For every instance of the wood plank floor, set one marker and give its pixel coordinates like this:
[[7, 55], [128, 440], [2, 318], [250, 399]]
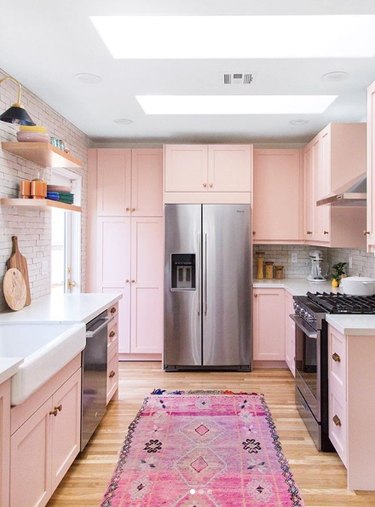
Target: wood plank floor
[[321, 477]]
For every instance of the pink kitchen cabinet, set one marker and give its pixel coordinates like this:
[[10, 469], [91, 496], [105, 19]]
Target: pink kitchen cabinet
[[113, 175], [290, 334], [268, 325], [46, 440], [4, 442], [278, 181], [147, 183], [370, 227], [308, 194], [207, 173], [112, 352]]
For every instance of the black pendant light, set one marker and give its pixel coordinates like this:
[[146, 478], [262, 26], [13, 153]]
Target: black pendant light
[[16, 113]]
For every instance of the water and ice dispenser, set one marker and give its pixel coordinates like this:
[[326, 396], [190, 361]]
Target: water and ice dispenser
[[183, 272]]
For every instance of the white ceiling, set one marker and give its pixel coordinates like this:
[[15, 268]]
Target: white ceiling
[[44, 44]]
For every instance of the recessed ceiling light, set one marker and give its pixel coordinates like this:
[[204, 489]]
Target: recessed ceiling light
[[338, 75], [234, 104], [123, 121], [87, 78], [340, 36], [298, 122]]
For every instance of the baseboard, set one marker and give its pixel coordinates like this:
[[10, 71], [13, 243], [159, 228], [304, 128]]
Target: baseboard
[[139, 357], [262, 365]]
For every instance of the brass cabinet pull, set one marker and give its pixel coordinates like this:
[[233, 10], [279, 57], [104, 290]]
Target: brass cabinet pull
[[254, 233], [113, 310], [255, 295], [205, 185], [112, 374], [112, 334], [336, 357], [127, 281], [127, 209], [53, 412], [309, 232], [59, 407], [336, 420], [325, 232], [133, 281], [133, 209], [211, 185], [366, 233]]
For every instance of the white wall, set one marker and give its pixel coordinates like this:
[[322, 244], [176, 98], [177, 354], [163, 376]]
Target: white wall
[[33, 227]]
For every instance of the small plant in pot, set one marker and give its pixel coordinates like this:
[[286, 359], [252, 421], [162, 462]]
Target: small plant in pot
[[338, 272]]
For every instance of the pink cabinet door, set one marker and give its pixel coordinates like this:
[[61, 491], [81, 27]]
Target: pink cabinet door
[[229, 167], [277, 195], [320, 151], [147, 285], [147, 183], [308, 193], [31, 460], [290, 334], [65, 427], [370, 229], [268, 333], [113, 182], [186, 167], [113, 268], [4, 442]]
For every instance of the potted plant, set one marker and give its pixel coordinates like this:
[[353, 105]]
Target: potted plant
[[338, 272]]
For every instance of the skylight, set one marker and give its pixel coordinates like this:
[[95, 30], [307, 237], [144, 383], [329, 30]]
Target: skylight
[[227, 37], [235, 104]]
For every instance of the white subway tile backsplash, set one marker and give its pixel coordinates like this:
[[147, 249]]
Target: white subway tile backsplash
[[33, 227]]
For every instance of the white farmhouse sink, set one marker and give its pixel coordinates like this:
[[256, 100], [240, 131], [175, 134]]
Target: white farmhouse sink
[[45, 349]]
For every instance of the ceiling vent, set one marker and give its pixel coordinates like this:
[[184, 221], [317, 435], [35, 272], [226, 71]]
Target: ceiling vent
[[238, 78]]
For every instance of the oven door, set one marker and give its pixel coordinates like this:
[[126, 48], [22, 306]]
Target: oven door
[[308, 364]]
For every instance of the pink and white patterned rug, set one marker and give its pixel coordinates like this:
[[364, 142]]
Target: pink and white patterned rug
[[202, 449]]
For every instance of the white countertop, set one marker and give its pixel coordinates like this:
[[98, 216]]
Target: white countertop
[[354, 325], [8, 367], [295, 286], [81, 307]]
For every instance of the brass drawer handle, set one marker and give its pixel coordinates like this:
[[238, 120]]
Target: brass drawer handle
[[254, 232], [211, 185], [205, 185], [53, 412], [366, 233], [308, 232], [112, 374], [113, 310], [336, 357], [127, 209], [336, 420], [112, 334], [133, 209], [325, 232]]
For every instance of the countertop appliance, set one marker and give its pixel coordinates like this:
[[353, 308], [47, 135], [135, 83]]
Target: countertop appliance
[[207, 287], [94, 376], [319, 269], [312, 355]]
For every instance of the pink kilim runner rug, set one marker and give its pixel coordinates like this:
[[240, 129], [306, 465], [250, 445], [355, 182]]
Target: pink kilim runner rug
[[202, 449]]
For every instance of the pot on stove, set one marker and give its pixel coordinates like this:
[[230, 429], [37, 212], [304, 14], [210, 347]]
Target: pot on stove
[[358, 286]]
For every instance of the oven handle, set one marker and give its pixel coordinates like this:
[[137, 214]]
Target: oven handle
[[299, 322]]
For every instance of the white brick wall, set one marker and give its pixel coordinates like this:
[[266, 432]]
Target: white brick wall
[[33, 227]]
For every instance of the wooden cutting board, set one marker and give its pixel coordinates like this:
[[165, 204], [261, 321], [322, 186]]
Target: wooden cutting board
[[14, 288], [18, 261]]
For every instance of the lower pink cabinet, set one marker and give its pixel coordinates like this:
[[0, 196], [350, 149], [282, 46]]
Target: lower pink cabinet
[[4, 442], [46, 442], [290, 334], [268, 325], [112, 353]]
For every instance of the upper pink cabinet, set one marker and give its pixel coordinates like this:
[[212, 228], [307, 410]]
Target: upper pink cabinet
[[277, 196], [128, 182], [207, 168]]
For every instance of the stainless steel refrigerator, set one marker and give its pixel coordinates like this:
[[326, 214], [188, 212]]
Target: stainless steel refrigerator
[[207, 287]]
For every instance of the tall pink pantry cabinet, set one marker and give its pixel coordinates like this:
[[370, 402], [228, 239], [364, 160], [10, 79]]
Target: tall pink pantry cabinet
[[126, 242]]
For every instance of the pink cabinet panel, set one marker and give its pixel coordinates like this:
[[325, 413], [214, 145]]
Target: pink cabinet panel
[[113, 253], [65, 428], [4, 442], [229, 168], [186, 167], [268, 333], [322, 226], [290, 334], [147, 285], [147, 183], [113, 182], [31, 460], [277, 195], [308, 193], [370, 228]]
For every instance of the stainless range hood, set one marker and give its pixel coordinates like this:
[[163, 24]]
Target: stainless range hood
[[351, 194]]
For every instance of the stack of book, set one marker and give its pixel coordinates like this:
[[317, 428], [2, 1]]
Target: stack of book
[[59, 193]]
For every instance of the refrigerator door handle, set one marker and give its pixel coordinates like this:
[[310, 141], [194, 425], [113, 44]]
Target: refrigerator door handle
[[199, 280], [205, 274]]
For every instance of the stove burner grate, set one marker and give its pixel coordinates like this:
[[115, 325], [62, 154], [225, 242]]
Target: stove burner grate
[[343, 303]]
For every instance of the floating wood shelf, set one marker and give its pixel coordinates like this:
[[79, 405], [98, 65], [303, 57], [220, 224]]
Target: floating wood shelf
[[43, 154], [39, 203]]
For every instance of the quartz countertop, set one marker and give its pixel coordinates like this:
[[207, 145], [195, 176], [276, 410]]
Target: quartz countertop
[[354, 325], [8, 367], [295, 286], [81, 307]]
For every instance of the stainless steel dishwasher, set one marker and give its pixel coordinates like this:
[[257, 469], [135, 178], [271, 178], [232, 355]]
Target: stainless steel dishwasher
[[94, 376]]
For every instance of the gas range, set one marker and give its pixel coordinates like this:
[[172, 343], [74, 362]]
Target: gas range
[[313, 307]]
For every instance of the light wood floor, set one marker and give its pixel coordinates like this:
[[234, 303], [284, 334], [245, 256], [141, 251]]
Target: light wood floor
[[321, 477]]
